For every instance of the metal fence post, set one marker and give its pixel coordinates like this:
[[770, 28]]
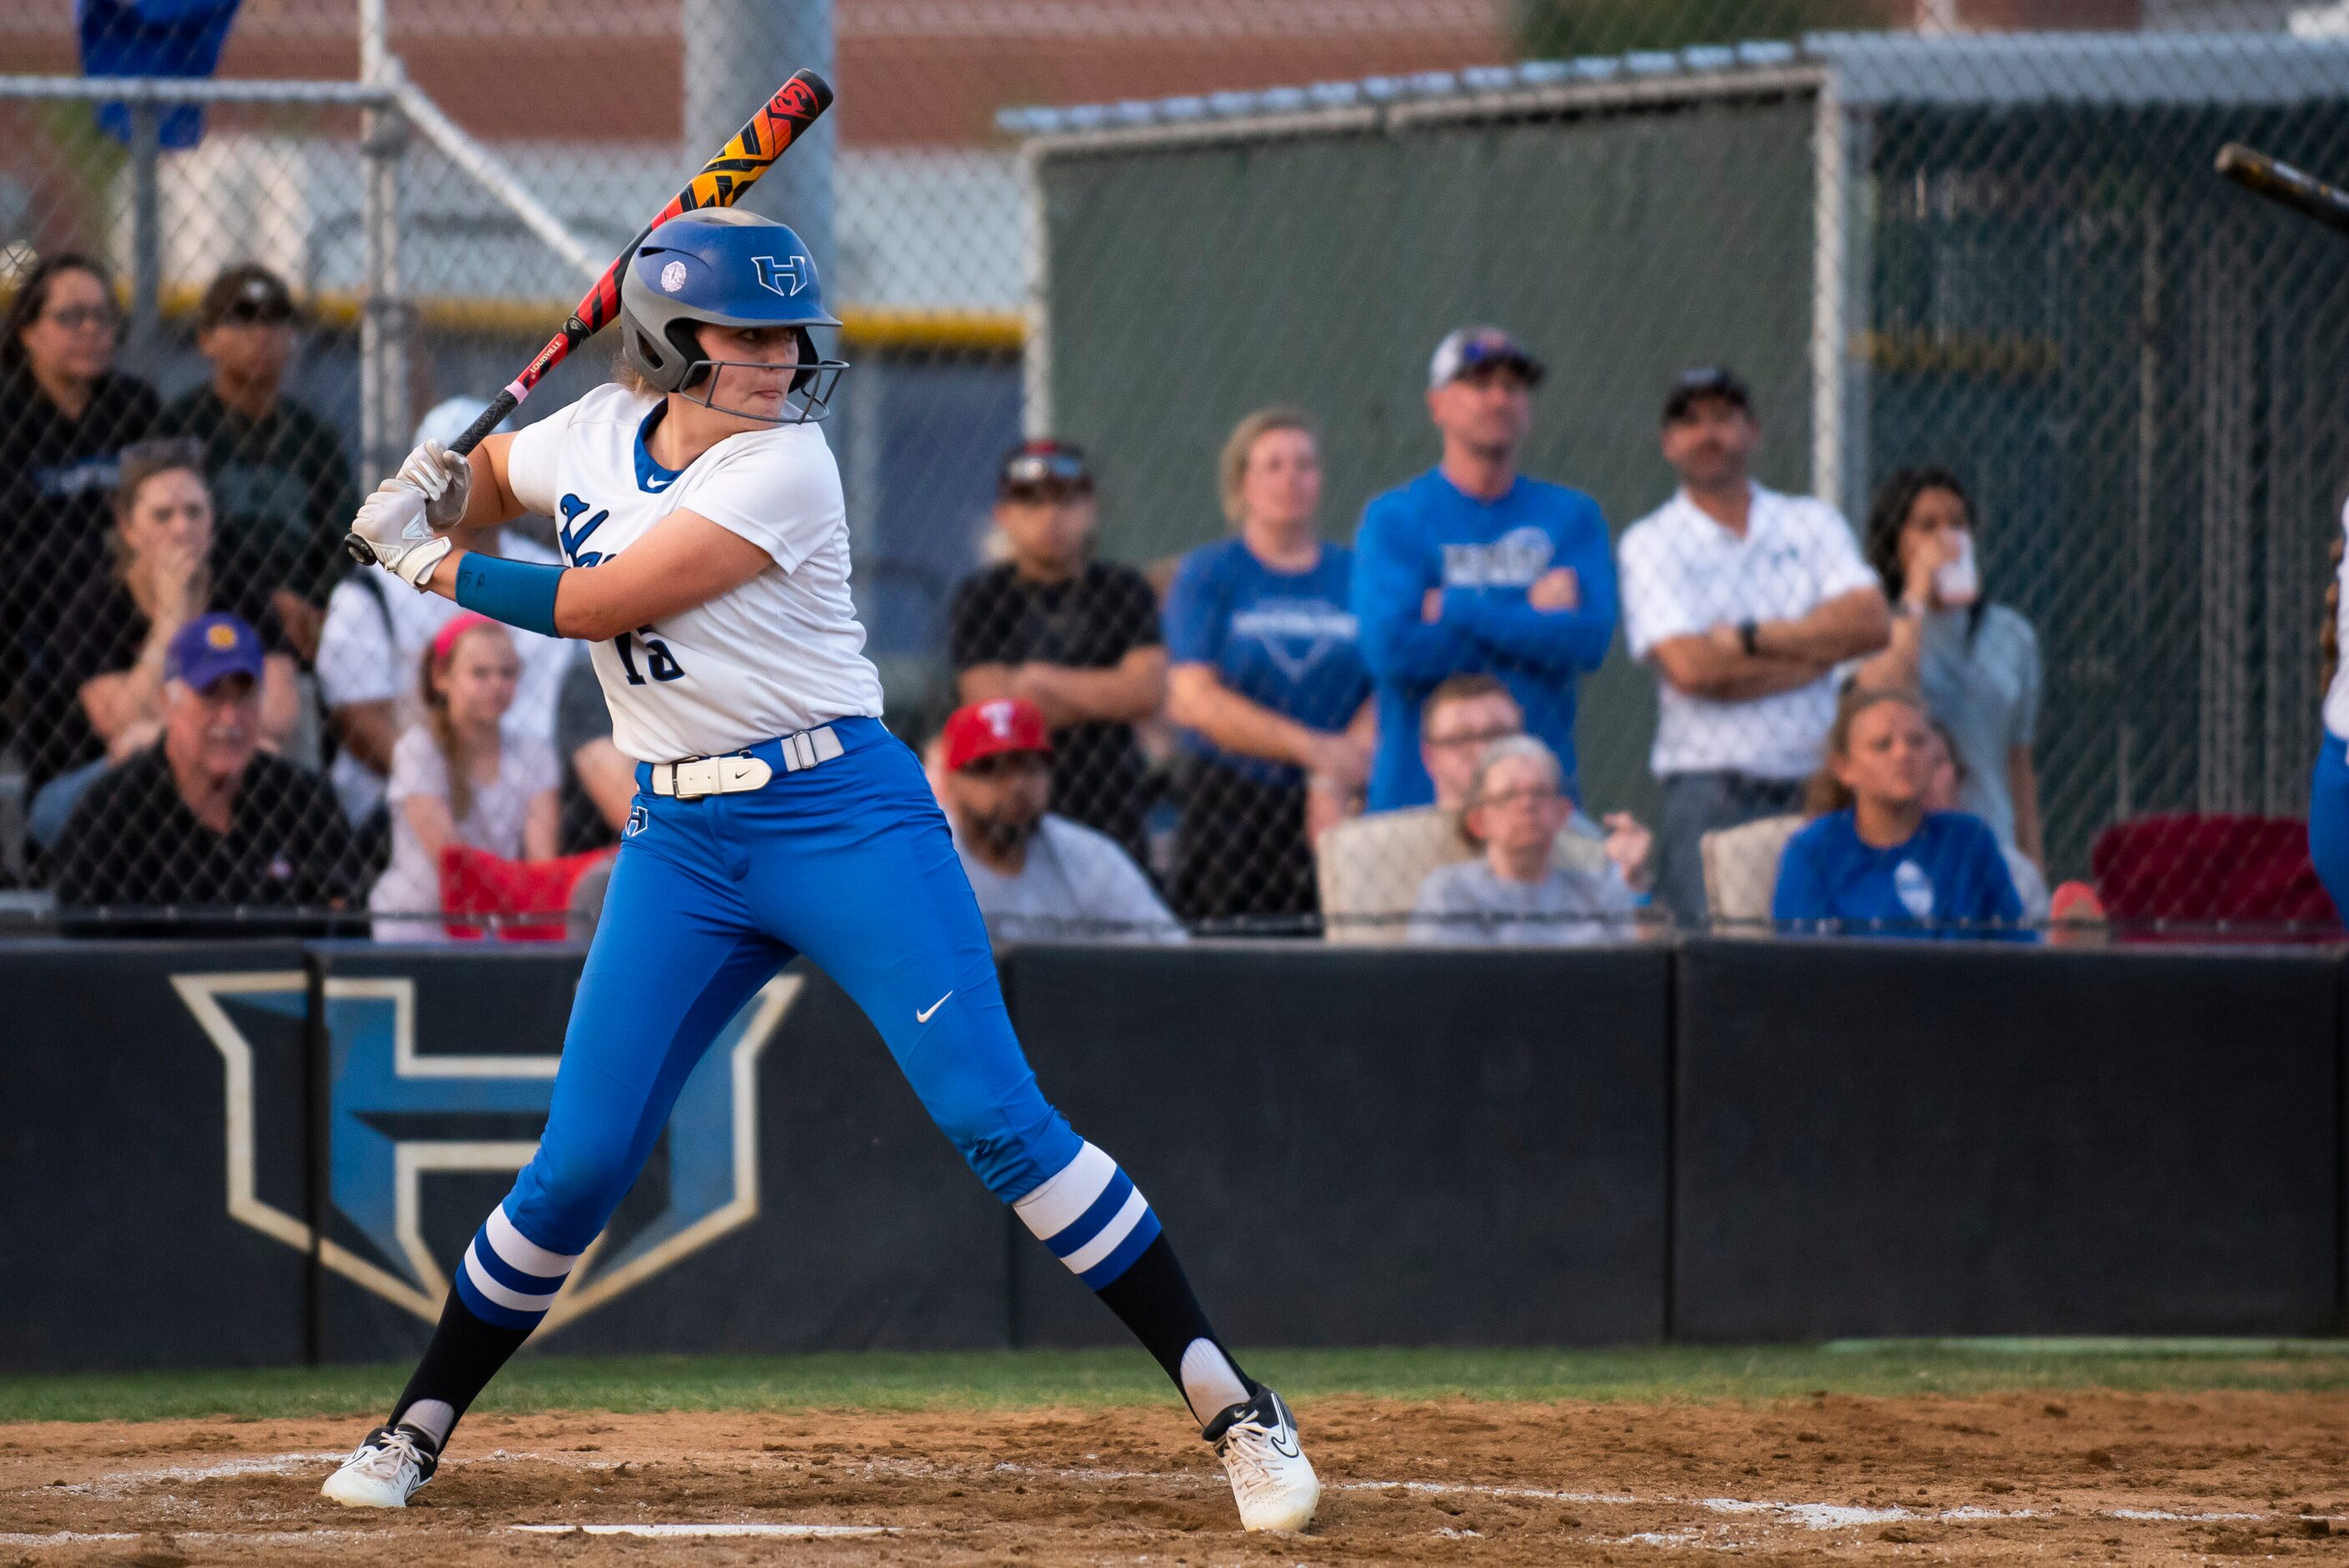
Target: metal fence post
[[736, 52], [144, 339], [383, 326]]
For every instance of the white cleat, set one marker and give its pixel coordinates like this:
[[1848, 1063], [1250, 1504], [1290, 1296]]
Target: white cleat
[[1272, 1481], [385, 1470]]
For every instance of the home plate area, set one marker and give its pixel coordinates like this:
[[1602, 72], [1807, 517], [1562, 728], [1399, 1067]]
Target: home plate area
[[2099, 1477]]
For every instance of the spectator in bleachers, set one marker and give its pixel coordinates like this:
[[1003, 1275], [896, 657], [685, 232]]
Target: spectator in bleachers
[[279, 476], [1744, 601], [98, 684], [65, 414], [1976, 662], [1267, 680], [1475, 568], [373, 643], [455, 779], [1372, 867], [1038, 875], [1076, 637], [1516, 891], [1878, 861], [1945, 786], [204, 817]]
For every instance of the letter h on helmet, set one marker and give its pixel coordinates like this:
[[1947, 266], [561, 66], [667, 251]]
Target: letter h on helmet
[[732, 268]]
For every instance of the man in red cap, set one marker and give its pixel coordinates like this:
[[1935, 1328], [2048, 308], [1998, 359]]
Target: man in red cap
[[1037, 875]]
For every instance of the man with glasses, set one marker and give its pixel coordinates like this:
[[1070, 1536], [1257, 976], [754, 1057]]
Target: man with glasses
[[1475, 568], [280, 479], [1075, 636], [1372, 867]]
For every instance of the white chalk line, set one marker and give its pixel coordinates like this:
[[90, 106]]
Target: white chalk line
[[1808, 1515], [790, 1531], [116, 1483]]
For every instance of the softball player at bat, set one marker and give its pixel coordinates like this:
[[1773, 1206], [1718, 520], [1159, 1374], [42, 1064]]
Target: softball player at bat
[[699, 511], [2328, 791]]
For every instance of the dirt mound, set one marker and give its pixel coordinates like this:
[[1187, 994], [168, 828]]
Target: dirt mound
[[2113, 1478]]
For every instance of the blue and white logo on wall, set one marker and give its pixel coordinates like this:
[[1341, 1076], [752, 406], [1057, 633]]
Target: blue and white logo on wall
[[384, 1095]]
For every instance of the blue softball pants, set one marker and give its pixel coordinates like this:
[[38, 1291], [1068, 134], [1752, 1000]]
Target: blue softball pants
[[2328, 819], [850, 863]]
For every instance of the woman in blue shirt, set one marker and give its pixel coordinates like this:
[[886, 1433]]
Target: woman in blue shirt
[[1267, 681], [1878, 861]]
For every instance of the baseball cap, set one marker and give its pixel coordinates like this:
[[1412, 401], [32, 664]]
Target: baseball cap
[[247, 292], [1035, 465], [990, 728], [210, 649], [1468, 347], [1705, 381]]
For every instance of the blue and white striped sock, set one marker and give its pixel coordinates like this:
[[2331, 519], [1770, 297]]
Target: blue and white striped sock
[[1092, 1216], [508, 1279]]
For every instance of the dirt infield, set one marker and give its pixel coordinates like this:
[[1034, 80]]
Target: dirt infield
[[2100, 1477]]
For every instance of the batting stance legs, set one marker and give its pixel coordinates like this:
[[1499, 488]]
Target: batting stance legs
[[850, 863]]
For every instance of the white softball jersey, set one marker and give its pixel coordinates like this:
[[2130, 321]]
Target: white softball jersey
[[780, 654]]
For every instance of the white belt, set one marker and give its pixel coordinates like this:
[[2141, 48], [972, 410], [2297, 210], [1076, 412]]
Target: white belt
[[699, 775]]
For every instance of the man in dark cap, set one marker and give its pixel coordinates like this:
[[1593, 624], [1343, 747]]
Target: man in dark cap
[[282, 490], [1744, 601], [1076, 636], [205, 818]]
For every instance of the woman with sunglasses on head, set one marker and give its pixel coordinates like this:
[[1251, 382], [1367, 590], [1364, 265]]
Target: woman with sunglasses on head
[[65, 414], [702, 516]]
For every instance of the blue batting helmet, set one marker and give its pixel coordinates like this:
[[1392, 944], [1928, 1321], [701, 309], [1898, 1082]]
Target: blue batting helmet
[[719, 264]]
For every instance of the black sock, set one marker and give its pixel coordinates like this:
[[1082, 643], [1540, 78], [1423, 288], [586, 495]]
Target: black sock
[[1153, 1298], [464, 1355]]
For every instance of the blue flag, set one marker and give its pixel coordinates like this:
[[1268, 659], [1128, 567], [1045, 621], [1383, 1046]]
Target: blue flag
[[152, 38]]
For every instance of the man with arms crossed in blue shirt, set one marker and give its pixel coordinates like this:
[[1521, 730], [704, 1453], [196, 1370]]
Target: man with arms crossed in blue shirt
[[1472, 568]]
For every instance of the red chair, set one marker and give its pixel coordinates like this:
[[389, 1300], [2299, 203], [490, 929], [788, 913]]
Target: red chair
[[476, 882], [2208, 872]]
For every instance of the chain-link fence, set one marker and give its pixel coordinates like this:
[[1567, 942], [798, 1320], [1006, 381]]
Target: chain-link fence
[[1973, 282]]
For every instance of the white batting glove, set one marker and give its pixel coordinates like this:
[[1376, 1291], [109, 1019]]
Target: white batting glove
[[395, 528], [443, 478]]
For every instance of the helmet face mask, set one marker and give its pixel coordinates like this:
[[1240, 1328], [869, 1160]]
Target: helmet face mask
[[725, 267], [807, 395]]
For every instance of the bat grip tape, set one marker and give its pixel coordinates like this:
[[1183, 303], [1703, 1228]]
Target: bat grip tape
[[519, 593]]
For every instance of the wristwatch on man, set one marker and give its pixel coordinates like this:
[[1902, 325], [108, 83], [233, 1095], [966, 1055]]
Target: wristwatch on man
[[1749, 634]]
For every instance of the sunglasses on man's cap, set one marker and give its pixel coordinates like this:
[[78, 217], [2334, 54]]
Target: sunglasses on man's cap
[[1041, 465]]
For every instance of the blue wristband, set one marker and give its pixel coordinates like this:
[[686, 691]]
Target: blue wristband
[[516, 591]]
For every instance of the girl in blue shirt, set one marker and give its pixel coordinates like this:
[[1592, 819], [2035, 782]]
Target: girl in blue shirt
[[1878, 861], [1268, 682]]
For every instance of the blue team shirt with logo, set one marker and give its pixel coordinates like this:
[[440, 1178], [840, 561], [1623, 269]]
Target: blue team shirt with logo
[[1286, 641], [1483, 555], [1949, 870]]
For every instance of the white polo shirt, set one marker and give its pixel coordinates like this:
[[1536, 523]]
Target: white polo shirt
[[1682, 574]]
